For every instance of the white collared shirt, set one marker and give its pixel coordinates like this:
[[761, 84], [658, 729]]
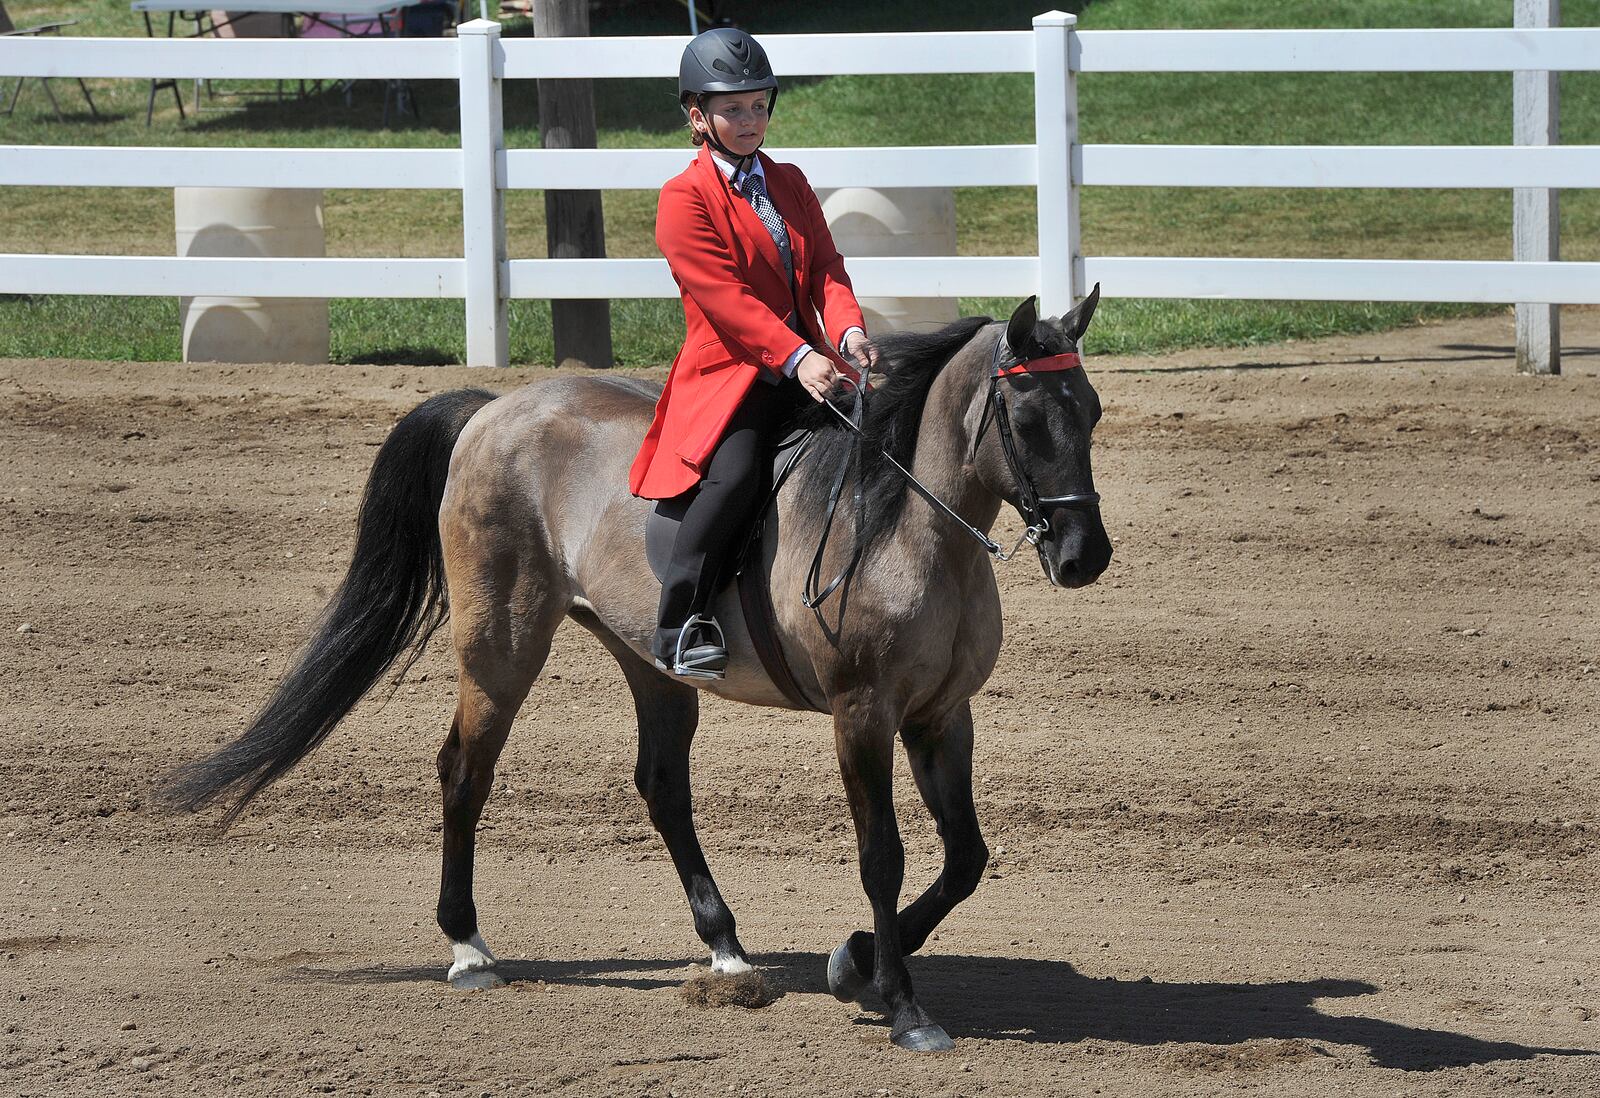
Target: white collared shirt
[[737, 177]]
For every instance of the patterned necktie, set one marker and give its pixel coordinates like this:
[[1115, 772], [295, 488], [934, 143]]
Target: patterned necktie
[[756, 192]]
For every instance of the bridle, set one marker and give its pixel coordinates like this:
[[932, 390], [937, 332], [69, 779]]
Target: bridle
[[1030, 502]]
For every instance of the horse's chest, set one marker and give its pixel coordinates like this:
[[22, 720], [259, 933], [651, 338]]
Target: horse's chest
[[940, 645]]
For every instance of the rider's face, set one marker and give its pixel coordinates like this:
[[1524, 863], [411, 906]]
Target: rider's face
[[740, 120]]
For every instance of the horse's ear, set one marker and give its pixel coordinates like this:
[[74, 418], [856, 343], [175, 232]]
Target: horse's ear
[[1076, 322], [1019, 332]]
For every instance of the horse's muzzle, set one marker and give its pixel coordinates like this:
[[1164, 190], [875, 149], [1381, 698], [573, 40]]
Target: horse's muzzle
[[1079, 553]]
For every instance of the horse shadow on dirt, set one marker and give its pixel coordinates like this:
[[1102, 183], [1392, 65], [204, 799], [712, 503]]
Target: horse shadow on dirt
[[1024, 999]]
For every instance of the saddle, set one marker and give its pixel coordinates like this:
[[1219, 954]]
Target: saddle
[[755, 601]]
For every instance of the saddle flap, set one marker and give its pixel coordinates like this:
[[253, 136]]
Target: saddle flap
[[661, 531], [661, 528], [755, 601]]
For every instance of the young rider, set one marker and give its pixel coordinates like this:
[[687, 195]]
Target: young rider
[[755, 264]]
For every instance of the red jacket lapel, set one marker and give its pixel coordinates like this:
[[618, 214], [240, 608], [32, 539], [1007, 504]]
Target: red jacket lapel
[[786, 197], [744, 219]]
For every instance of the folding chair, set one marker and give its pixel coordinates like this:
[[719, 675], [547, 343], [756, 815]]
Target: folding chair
[[396, 93], [7, 29]]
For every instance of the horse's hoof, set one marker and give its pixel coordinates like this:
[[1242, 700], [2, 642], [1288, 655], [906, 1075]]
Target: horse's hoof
[[844, 979], [477, 979], [928, 1038], [730, 964], [473, 969]]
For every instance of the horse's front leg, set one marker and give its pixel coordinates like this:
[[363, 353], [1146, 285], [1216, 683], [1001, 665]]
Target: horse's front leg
[[864, 738], [941, 760]]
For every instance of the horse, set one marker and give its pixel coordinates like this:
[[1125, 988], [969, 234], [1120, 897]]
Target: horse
[[505, 515]]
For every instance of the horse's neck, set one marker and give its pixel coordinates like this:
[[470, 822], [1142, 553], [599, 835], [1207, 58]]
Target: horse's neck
[[944, 447]]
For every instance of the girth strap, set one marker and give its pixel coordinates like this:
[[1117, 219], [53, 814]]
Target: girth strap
[[755, 597]]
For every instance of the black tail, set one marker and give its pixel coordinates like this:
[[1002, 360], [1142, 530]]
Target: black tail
[[392, 599]]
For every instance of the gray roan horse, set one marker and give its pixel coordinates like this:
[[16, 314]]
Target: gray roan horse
[[508, 514]]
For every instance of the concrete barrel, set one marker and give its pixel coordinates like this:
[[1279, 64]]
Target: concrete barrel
[[246, 222], [869, 221]]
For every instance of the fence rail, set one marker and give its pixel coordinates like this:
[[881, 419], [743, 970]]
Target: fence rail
[[1568, 49], [881, 166], [1056, 165], [1348, 279], [1490, 167], [1411, 166], [202, 276], [232, 59], [95, 166]]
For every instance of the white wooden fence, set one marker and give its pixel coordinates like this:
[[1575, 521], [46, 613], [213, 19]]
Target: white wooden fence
[[1057, 165]]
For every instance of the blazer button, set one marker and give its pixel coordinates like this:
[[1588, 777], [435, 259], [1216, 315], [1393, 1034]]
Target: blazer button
[[766, 356]]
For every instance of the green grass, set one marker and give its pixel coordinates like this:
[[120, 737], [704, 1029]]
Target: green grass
[[427, 332], [646, 332], [1265, 108]]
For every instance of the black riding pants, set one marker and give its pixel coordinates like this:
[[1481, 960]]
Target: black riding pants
[[722, 507]]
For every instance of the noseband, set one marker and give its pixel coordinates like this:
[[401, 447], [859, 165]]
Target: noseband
[[1030, 501]]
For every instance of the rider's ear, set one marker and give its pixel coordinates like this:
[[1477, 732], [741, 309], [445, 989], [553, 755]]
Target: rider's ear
[[1076, 322], [1019, 331]]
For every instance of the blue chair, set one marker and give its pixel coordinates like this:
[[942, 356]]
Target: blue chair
[[429, 19]]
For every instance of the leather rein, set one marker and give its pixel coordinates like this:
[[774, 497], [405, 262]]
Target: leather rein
[[1030, 505]]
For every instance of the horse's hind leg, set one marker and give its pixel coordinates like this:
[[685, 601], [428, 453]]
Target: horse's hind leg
[[668, 714], [501, 644]]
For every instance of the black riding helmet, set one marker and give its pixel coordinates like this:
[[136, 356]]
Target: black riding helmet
[[724, 61]]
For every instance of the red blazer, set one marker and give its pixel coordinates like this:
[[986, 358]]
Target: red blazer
[[735, 302]]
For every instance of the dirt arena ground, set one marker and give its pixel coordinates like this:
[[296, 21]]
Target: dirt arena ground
[[1300, 799]]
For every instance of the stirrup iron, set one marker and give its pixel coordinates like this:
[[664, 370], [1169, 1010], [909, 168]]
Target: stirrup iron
[[702, 664]]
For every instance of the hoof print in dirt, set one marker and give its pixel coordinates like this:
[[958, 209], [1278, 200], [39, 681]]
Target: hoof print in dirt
[[716, 989]]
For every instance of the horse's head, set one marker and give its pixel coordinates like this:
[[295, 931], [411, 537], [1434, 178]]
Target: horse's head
[[1041, 411]]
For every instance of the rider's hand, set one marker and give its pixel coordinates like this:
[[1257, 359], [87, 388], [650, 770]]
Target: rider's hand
[[862, 349], [816, 372]]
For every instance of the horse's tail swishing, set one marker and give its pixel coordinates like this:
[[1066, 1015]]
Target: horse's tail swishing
[[391, 601]]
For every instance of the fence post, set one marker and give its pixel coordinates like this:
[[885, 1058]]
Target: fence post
[[1536, 211], [483, 220], [1055, 135], [575, 221]]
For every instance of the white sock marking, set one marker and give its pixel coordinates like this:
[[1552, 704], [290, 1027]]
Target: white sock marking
[[470, 955], [729, 965]]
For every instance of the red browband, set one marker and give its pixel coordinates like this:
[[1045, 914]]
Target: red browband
[[1043, 365]]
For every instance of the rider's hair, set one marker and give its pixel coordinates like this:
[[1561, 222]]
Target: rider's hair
[[692, 99]]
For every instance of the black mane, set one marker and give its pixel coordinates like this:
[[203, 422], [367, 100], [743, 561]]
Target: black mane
[[908, 364]]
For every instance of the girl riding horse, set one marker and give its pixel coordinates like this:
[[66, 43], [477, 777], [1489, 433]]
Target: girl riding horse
[[755, 263]]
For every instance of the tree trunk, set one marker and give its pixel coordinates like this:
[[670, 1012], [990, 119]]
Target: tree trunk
[[574, 220]]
